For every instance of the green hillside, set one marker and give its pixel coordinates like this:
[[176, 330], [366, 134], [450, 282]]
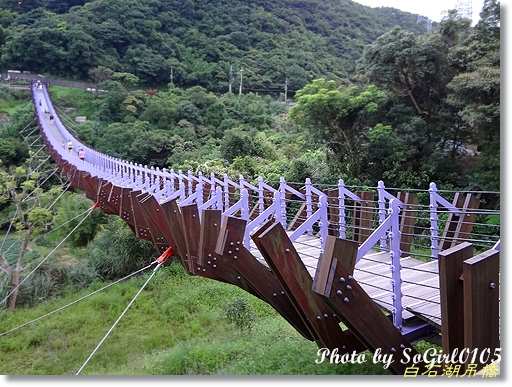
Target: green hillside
[[198, 42]]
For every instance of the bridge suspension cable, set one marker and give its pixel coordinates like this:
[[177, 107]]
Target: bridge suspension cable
[[52, 230], [161, 260], [60, 195], [87, 213], [76, 301]]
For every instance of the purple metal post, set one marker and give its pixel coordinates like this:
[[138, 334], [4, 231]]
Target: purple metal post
[[282, 204], [261, 195], [342, 227], [309, 204], [323, 222], [434, 228], [382, 209], [396, 266]]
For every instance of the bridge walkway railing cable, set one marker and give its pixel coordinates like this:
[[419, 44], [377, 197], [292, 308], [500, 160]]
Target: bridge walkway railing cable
[[309, 213]]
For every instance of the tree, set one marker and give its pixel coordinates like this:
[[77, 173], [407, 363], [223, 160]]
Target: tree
[[426, 121], [21, 187], [66, 220], [475, 93], [237, 143], [126, 79], [162, 110], [397, 62], [112, 108], [338, 118], [100, 74]]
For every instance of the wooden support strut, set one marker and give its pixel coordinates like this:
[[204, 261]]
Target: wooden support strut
[[191, 226], [469, 288], [158, 217], [283, 259], [259, 276], [482, 306], [91, 187], [363, 216], [209, 232], [105, 192], [333, 216], [175, 222], [142, 228], [451, 290], [148, 213], [126, 211], [407, 219], [357, 310], [191, 231], [301, 215], [458, 227]]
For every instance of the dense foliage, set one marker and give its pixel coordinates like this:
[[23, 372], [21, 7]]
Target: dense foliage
[[373, 97], [374, 101], [198, 42]]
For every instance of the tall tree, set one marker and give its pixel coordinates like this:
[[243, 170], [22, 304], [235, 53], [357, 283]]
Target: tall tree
[[21, 187], [338, 117], [475, 92]]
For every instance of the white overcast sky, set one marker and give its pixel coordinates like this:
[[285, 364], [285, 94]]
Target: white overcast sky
[[430, 8]]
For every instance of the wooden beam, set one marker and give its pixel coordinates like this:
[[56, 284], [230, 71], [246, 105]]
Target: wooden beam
[[126, 212], [283, 259], [361, 314], [208, 264], [103, 196], [451, 224], [174, 218], [451, 289], [191, 226], [91, 187], [363, 216], [334, 248], [150, 211], [407, 220], [114, 198], [142, 228], [260, 277], [217, 267], [333, 215], [157, 216], [467, 219], [482, 305], [209, 231]]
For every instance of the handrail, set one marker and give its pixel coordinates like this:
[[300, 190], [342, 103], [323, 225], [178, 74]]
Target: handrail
[[186, 188]]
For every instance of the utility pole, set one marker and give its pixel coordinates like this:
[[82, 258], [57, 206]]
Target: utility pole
[[285, 89], [231, 78], [171, 75], [240, 91]]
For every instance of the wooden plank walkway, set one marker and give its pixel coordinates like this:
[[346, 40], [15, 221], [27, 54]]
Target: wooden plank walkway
[[420, 280]]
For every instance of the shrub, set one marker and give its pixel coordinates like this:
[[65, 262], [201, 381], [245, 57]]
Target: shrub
[[240, 313]]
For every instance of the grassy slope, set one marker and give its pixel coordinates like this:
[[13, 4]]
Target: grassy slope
[[175, 327]]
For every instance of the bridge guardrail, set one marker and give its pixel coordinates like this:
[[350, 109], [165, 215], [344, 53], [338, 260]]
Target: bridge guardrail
[[321, 212]]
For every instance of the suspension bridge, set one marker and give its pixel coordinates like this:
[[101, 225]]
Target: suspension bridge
[[351, 270]]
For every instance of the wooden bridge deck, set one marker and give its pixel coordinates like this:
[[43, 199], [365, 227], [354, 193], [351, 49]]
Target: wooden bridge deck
[[307, 305], [420, 286]]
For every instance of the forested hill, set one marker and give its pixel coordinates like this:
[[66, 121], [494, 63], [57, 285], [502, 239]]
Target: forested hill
[[197, 41]]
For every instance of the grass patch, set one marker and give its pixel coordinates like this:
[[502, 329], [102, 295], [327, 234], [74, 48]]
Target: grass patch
[[177, 326], [81, 100], [11, 106]]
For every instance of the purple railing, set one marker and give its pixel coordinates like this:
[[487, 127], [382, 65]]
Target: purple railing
[[249, 201]]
